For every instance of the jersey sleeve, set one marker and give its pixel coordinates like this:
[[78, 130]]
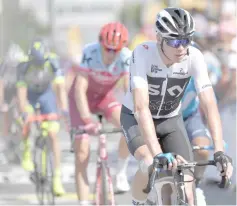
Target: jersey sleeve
[[58, 72], [126, 57], [55, 64], [21, 70], [138, 76], [199, 71], [85, 60]]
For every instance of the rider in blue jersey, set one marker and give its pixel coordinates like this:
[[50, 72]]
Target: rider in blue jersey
[[197, 131]]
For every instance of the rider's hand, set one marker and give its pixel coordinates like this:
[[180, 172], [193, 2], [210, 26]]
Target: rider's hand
[[224, 164], [92, 128], [169, 161]]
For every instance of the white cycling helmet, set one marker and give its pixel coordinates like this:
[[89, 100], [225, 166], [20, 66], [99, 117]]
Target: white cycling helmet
[[175, 23], [14, 54]]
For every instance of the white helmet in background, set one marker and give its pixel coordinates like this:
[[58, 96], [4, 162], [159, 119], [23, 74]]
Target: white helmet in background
[[14, 54]]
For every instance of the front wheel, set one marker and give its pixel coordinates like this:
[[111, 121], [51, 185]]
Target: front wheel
[[104, 194], [43, 175], [177, 197]]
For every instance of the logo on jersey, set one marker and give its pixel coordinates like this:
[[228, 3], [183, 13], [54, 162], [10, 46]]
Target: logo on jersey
[[181, 72], [155, 69], [86, 60], [165, 96], [145, 46], [125, 63], [207, 85]]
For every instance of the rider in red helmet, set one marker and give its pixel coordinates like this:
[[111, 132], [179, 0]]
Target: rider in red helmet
[[103, 65]]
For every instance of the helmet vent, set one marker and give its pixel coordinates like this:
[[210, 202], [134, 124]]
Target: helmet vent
[[177, 12], [160, 27]]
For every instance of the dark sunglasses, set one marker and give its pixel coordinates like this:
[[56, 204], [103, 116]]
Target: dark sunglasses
[[176, 43]]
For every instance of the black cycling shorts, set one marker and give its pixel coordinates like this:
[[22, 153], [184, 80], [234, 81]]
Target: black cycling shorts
[[171, 134]]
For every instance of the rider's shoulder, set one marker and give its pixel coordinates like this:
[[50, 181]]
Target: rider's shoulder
[[194, 52], [145, 47], [24, 59], [91, 47], [51, 55], [125, 53]]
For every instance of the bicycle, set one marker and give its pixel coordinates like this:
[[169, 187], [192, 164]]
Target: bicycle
[[104, 193], [43, 159], [176, 181]]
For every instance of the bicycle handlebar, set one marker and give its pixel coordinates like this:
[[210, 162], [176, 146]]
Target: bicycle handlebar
[[40, 118], [103, 131], [156, 167], [43, 117]]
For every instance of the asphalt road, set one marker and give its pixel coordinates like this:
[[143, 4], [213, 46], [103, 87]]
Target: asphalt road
[[16, 188]]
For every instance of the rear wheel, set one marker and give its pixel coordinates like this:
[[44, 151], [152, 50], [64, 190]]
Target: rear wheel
[[43, 175]]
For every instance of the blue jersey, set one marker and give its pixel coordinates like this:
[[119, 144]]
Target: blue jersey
[[190, 101]]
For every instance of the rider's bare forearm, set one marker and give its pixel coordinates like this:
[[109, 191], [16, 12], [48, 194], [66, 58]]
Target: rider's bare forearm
[[147, 128], [82, 103], [209, 107], [62, 96], [69, 78], [214, 122], [22, 98]]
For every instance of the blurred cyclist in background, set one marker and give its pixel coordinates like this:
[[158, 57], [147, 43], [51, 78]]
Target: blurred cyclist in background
[[197, 131], [103, 64], [36, 78], [7, 87]]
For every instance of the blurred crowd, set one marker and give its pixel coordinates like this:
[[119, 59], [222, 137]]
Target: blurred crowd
[[217, 39]]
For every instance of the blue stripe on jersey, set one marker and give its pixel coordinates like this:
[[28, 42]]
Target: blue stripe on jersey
[[190, 102]]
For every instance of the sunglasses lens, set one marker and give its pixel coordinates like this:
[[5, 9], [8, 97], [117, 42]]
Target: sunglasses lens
[[175, 43]]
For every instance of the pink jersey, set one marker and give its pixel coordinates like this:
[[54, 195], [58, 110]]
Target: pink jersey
[[102, 79]]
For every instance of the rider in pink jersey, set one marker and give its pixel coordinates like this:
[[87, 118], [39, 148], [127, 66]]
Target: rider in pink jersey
[[103, 67]]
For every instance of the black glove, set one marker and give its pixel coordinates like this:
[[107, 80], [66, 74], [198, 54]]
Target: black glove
[[221, 160]]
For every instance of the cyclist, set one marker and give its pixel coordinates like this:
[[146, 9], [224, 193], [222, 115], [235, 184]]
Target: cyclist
[[7, 82], [104, 63], [198, 133], [7, 88], [150, 116], [36, 77]]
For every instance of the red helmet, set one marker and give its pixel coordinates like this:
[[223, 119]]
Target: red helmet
[[114, 36]]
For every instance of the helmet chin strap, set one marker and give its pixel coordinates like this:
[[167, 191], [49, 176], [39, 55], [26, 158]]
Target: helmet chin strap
[[162, 49]]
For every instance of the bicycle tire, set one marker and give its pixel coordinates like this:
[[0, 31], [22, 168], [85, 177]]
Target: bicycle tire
[[37, 176], [155, 196], [103, 187], [49, 173], [43, 163]]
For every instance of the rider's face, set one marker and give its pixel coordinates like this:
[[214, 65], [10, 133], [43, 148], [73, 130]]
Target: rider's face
[[109, 55], [175, 49]]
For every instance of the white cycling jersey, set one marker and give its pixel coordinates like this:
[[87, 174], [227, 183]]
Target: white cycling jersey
[[166, 86]]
